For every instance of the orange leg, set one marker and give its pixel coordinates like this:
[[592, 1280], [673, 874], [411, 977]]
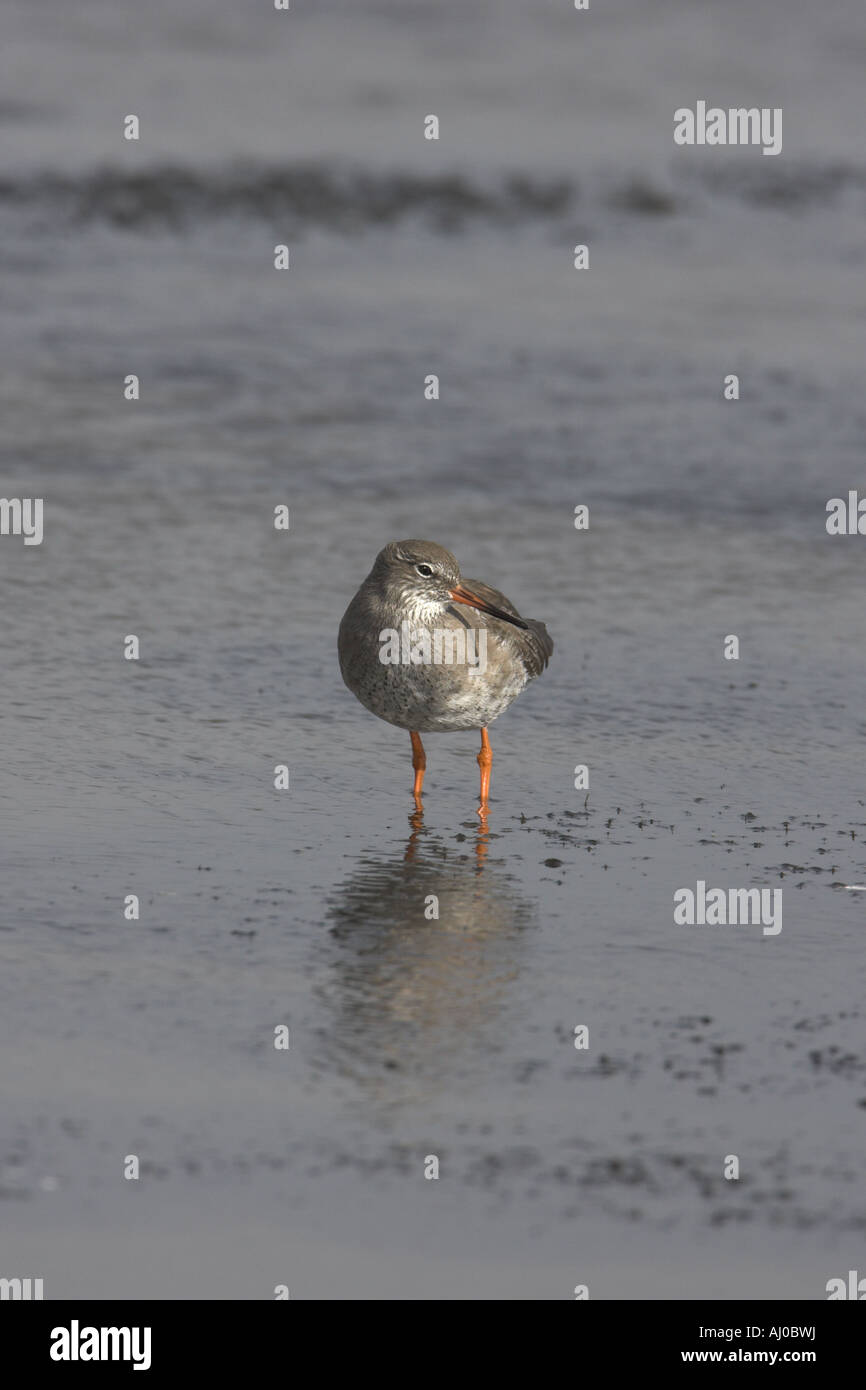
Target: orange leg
[[485, 762], [419, 762]]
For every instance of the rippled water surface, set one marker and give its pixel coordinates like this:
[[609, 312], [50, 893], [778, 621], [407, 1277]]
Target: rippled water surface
[[412, 1037]]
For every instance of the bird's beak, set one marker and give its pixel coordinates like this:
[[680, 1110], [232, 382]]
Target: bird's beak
[[461, 595]]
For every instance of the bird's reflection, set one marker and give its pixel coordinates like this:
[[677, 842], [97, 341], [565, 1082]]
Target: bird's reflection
[[481, 837], [424, 951]]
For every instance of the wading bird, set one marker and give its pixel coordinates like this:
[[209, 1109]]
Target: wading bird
[[432, 653]]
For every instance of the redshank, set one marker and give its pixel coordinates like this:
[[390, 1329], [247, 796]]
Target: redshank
[[426, 650]]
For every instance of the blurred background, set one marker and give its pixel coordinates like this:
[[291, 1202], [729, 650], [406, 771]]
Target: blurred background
[[306, 387]]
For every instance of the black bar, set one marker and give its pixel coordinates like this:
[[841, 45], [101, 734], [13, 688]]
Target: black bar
[[222, 1338]]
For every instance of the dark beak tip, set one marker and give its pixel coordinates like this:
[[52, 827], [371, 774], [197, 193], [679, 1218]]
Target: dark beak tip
[[462, 595]]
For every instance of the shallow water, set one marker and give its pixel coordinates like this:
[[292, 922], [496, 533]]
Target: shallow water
[[412, 1037]]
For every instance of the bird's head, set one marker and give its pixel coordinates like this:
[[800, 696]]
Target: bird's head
[[427, 575]]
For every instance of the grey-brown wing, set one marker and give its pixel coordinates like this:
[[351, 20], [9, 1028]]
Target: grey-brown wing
[[534, 642]]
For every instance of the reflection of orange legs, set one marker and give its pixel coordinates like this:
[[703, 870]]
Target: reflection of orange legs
[[481, 841], [485, 762], [419, 762], [416, 820]]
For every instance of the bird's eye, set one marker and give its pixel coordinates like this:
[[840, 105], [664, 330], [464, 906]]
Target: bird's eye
[[425, 570]]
